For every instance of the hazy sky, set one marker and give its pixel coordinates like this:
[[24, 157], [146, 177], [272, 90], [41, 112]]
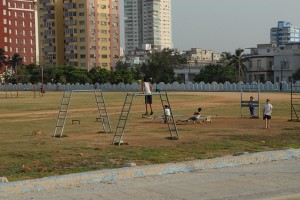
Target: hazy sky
[[225, 25]]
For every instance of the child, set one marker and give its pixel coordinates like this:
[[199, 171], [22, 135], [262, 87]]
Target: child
[[195, 117], [267, 113], [167, 113], [251, 107]]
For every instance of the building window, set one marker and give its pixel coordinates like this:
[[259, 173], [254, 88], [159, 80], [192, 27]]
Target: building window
[[259, 64], [104, 56], [284, 65]]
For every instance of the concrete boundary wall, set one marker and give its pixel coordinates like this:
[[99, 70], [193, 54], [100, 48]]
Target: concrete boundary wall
[[73, 180], [135, 87]]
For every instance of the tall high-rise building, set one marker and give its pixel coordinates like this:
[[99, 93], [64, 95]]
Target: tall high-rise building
[[17, 29], [147, 24], [83, 33], [284, 33]]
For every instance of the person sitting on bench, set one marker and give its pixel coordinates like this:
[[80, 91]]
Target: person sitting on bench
[[195, 117]]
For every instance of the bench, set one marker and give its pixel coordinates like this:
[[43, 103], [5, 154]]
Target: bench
[[246, 103]]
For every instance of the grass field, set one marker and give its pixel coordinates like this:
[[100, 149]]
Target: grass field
[[25, 155]]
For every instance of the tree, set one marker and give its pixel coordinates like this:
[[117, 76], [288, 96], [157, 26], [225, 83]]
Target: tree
[[99, 75], [237, 60], [296, 75], [217, 73], [160, 65], [225, 58], [15, 61], [3, 58]]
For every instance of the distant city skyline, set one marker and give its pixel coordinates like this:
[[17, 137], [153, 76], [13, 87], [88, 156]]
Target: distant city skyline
[[226, 25]]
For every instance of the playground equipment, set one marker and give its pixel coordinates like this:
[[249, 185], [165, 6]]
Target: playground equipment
[[254, 88], [64, 107], [120, 129], [295, 101]]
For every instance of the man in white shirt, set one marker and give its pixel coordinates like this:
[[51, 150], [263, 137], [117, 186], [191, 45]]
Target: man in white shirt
[[267, 113], [147, 88]]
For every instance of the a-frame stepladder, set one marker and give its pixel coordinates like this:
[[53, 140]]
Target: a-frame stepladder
[[120, 129], [250, 88], [64, 107], [295, 100]]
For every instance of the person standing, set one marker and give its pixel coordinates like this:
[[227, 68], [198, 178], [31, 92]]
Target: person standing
[[281, 86], [251, 107], [147, 89], [267, 113]]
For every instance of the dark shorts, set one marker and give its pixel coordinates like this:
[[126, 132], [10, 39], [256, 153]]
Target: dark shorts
[[267, 117], [148, 99]]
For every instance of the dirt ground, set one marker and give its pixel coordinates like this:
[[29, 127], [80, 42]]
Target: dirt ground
[[153, 132], [85, 147]]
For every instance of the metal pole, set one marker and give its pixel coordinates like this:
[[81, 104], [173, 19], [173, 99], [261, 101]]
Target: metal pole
[[42, 88], [292, 99]]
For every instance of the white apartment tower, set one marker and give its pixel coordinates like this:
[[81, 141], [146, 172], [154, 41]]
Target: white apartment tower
[[147, 25]]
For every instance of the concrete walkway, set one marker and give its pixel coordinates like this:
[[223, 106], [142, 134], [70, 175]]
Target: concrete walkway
[[204, 179]]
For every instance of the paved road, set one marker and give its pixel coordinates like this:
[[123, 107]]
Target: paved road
[[279, 180]]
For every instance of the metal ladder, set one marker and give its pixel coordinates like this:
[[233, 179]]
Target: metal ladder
[[119, 133], [100, 101], [62, 114], [172, 126], [120, 129], [295, 102], [64, 107]]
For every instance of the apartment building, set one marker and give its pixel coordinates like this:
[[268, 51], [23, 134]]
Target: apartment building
[[201, 57], [81, 33], [17, 29], [284, 33], [147, 25]]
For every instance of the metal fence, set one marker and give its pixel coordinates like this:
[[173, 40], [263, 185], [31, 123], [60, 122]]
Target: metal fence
[[135, 87]]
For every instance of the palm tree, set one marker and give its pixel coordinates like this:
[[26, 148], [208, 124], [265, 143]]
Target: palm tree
[[15, 61], [225, 58], [237, 60], [3, 58]]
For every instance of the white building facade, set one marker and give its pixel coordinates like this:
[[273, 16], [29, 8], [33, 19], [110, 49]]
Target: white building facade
[[286, 62], [147, 25]]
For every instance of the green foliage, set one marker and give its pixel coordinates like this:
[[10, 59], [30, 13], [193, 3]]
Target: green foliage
[[296, 75], [160, 65], [238, 60], [99, 75], [3, 58], [217, 73]]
